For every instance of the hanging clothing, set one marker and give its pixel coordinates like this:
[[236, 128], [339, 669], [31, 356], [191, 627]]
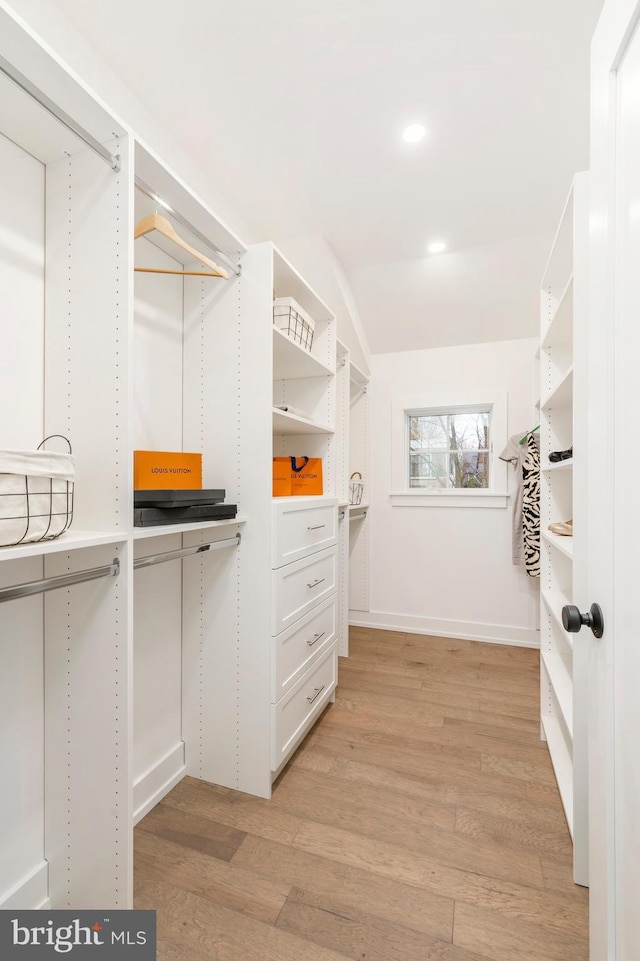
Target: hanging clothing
[[531, 505], [514, 453], [525, 464]]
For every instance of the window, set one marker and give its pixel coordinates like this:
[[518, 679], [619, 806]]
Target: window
[[449, 450], [444, 449]]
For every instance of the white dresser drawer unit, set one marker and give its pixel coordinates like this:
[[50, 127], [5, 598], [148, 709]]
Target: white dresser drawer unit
[[301, 528], [301, 586], [294, 713], [296, 649]]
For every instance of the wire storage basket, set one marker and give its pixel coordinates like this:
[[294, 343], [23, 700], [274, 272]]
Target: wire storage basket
[[356, 488], [36, 494], [289, 317]]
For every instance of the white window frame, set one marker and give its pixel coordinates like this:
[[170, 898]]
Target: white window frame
[[495, 496]]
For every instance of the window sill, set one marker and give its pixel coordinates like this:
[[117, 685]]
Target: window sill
[[436, 498]]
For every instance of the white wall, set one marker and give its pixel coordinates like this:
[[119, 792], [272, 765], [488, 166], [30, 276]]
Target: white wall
[[448, 570]]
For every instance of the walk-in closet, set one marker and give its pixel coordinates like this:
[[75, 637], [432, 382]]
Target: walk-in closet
[[316, 481]]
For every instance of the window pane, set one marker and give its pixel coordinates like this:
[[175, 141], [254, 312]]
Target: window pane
[[449, 449], [428, 432], [470, 431], [428, 470], [470, 469]]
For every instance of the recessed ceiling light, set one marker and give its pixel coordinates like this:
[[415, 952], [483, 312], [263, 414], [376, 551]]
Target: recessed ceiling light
[[437, 247], [414, 133]]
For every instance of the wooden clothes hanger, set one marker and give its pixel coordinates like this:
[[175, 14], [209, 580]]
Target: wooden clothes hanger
[[162, 225]]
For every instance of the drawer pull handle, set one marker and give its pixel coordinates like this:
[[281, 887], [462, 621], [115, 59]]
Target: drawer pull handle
[[317, 527], [316, 637], [318, 691], [315, 583]]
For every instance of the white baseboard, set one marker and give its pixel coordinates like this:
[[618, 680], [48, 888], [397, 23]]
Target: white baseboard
[[30, 893], [465, 630], [158, 780]]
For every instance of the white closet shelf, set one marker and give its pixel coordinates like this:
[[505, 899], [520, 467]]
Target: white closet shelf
[[358, 507], [560, 466], [555, 601], [561, 542], [285, 423], [292, 361], [177, 196], [142, 533], [562, 764], [71, 541], [559, 332], [562, 394], [562, 684], [287, 282]]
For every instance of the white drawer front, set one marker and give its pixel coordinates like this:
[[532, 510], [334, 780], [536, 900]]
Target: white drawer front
[[294, 714], [299, 587], [296, 649], [301, 529]]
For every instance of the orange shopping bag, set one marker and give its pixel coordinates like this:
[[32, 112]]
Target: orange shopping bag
[[281, 476], [306, 475]]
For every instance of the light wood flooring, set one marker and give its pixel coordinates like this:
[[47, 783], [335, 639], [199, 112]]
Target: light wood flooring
[[419, 821]]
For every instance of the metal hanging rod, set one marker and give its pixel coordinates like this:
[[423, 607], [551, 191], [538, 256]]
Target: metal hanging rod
[[36, 94], [185, 552], [179, 219], [64, 580], [359, 516]]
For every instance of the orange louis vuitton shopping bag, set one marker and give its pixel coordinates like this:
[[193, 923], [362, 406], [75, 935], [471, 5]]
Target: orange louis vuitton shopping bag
[[306, 475], [297, 476], [281, 476]]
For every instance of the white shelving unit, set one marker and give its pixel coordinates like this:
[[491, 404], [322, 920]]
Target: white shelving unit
[[563, 392], [65, 808], [190, 664], [343, 426], [134, 361], [186, 382], [280, 658], [359, 520], [306, 570]]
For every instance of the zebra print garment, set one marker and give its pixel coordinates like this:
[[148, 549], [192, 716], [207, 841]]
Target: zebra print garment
[[531, 507]]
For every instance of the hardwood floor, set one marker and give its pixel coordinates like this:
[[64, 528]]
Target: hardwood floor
[[419, 821]]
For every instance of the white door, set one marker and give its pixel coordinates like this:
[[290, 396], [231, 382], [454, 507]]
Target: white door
[[614, 482]]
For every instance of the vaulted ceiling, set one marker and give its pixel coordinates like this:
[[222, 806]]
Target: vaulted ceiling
[[296, 109]]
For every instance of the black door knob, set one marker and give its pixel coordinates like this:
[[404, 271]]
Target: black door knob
[[573, 620]]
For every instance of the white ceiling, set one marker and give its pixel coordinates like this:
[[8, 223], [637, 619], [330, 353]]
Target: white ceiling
[[296, 109]]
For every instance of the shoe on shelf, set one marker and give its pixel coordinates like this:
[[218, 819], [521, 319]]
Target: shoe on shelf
[[557, 455], [562, 527]]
